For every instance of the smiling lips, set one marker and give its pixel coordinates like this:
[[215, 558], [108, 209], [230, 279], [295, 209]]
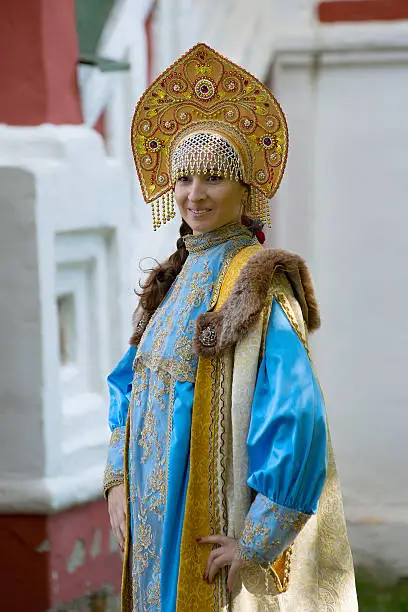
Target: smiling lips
[[198, 213]]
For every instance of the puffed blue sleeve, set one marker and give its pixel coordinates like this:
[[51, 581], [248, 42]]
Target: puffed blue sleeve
[[287, 444], [120, 389]]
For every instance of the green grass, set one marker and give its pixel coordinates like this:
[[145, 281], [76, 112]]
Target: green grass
[[374, 597]]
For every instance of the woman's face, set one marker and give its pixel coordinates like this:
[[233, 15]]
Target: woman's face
[[207, 202]]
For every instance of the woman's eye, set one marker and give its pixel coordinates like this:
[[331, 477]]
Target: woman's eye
[[183, 179], [214, 178]]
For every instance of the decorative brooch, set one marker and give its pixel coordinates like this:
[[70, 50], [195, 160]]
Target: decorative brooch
[[208, 336]]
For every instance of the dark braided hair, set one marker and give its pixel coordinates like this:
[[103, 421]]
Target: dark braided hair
[[160, 279]]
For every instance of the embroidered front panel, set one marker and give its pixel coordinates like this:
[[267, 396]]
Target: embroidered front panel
[[167, 341], [269, 529], [150, 431]]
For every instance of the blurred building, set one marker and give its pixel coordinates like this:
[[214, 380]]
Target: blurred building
[[73, 229]]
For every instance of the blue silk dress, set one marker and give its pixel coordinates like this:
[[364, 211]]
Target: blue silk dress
[[154, 388]]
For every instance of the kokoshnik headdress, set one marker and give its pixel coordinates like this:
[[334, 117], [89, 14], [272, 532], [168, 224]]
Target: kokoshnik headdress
[[205, 114]]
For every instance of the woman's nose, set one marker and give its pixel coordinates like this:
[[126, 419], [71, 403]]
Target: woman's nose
[[197, 191]]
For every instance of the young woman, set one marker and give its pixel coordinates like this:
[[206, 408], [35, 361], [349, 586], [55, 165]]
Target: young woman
[[220, 481]]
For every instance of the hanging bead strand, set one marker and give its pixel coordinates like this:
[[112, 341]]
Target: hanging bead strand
[[172, 211], [153, 216], [158, 220]]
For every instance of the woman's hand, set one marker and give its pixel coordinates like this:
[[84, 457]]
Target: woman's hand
[[224, 555], [117, 513]]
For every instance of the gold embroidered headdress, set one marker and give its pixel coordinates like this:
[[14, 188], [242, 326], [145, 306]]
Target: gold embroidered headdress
[[206, 114]]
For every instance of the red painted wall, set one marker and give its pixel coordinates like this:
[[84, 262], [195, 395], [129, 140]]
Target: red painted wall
[[39, 568], [39, 51], [80, 526], [362, 10], [23, 570]]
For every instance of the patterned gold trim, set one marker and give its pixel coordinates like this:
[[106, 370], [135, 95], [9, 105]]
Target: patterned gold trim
[[265, 315], [201, 242], [282, 292], [110, 483], [113, 475], [192, 592], [237, 261], [218, 511]]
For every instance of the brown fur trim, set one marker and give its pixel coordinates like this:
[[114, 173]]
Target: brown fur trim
[[248, 297]]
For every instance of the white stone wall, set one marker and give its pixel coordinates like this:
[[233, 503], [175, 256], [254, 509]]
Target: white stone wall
[[343, 206], [64, 316]]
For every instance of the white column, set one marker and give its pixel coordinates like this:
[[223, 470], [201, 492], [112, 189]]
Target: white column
[[65, 319]]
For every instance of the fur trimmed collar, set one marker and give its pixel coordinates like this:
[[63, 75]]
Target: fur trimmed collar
[[217, 330]]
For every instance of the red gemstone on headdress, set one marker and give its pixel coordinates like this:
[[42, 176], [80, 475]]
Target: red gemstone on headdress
[[153, 144], [267, 141], [204, 89]]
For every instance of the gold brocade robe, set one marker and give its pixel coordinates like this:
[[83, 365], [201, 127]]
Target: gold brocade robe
[[317, 574]]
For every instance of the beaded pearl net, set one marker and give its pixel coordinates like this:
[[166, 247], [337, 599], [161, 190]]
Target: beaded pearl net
[[206, 153]]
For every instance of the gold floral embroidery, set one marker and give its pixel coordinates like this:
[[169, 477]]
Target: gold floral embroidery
[[255, 533], [140, 378], [287, 518], [171, 347], [158, 341], [182, 363], [117, 437], [153, 590], [146, 435], [151, 400], [157, 485], [265, 521]]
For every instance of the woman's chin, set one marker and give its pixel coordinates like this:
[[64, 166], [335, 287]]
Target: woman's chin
[[201, 225]]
